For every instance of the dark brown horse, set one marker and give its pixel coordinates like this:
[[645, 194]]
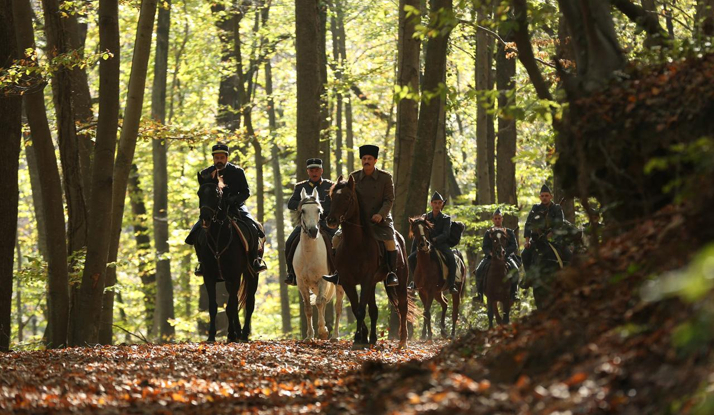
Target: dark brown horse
[[357, 263], [428, 278], [497, 286], [224, 255]]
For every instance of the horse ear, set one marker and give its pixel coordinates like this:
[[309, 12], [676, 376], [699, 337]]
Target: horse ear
[[303, 193], [315, 195], [339, 179], [411, 220], [351, 182]]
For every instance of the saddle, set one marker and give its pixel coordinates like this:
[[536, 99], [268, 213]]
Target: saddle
[[445, 269], [248, 234]]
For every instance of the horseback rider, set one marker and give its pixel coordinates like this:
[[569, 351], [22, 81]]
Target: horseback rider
[[315, 181], [544, 220], [439, 237], [375, 191], [512, 260], [235, 192]]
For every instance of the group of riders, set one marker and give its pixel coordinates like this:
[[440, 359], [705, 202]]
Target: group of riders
[[375, 191]]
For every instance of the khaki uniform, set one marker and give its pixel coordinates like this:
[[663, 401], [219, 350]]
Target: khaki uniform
[[376, 196]]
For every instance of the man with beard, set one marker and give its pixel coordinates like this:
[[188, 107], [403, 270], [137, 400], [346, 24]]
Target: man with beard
[[236, 192]]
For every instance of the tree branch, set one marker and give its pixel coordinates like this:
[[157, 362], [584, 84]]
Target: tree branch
[[647, 21], [525, 50]]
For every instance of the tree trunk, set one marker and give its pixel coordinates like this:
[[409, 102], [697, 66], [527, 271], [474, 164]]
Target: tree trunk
[[228, 23], [259, 184], [127, 146], [85, 327], [507, 133], [35, 179], [597, 51], [325, 134], [564, 51], [163, 282], [43, 157], [309, 82], [407, 109], [433, 92], [58, 42], [490, 125], [18, 294], [143, 250], [483, 156], [704, 17], [438, 170], [10, 127], [336, 22]]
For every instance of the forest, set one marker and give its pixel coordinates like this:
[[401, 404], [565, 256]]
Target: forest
[[111, 109]]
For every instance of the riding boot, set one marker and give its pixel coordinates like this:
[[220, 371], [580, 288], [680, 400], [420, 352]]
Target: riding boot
[[451, 280], [480, 278], [411, 262], [291, 279], [290, 247], [392, 279], [334, 278], [256, 262]]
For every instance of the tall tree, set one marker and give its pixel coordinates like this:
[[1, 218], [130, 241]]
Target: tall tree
[[309, 82], [484, 149], [228, 24], [164, 289], [125, 150], [84, 324], [336, 22], [49, 188], [507, 133], [704, 17], [58, 42], [10, 126], [441, 22], [407, 108], [325, 133]]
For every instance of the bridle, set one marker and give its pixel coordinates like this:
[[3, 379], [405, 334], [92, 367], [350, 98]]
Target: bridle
[[502, 250], [422, 234], [350, 203], [308, 201]]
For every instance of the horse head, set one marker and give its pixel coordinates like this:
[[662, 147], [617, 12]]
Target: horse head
[[420, 229], [344, 205], [210, 197], [499, 241], [309, 211]]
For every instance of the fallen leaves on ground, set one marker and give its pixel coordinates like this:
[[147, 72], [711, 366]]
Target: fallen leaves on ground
[[260, 377]]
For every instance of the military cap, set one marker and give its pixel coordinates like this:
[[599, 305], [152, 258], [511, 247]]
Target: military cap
[[545, 189], [314, 163], [220, 148], [437, 196], [368, 150], [497, 212]]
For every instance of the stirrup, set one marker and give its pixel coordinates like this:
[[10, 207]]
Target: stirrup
[[411, 286], [392, 280], [259, 265]]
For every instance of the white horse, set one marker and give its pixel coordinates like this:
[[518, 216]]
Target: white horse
[[310, 264]]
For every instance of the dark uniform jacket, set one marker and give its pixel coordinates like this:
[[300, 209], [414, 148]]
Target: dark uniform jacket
[[511, 246], [542, 220], [442, 227], [323, 189], [236, 190], [376, 196]]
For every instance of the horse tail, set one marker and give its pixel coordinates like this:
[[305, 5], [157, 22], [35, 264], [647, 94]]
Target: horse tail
[[412, 311], [243, 290]]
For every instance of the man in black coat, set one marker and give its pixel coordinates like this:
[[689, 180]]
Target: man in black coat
[[512, 260], [439, 237], [314, 181], [236, 192], [544, 220]]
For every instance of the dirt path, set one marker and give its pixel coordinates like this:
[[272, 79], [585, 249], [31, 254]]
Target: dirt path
[[259, 377]]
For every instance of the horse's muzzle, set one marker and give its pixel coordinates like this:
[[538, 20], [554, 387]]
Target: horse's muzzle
[[312, 232]]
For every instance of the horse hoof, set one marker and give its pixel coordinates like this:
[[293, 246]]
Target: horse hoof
[[402, 345], [334, 340], [211, 340]]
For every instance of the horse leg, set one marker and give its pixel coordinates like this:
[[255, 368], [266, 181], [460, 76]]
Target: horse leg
[[444, 307], [489, 311], [212, 309], [232, 310], [403, 298], [373, 314], [251, 283], [322, 332], [456, 304], [338, 312], [305, 294], [351, 292], [497, 313], [507, 312], [424, 297]]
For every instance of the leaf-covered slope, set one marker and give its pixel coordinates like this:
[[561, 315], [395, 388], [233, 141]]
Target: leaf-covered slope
[[598, 348]]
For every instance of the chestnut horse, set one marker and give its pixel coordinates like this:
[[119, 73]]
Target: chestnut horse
[[357, 263], [428, 278], [497, 286], [224, 255]]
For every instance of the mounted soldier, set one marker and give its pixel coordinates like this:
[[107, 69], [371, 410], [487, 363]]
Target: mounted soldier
[[439, 237], [544, 221], [512, 260], [231, 179], [314, 181], [375, 191]]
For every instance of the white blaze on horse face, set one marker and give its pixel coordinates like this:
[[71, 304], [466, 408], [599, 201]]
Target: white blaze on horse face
[[339, 191]]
